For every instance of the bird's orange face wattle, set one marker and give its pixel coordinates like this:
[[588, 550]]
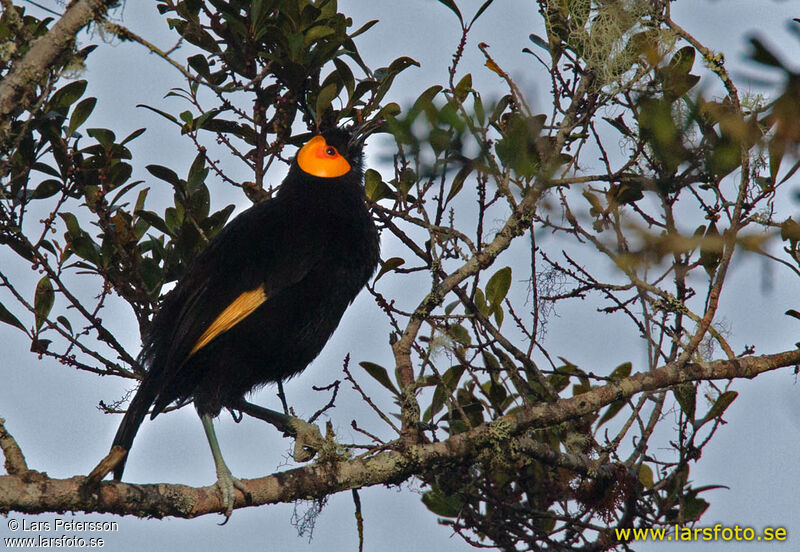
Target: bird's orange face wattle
[[317, 158]]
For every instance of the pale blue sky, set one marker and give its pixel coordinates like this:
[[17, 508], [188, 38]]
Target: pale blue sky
[[62, 432]]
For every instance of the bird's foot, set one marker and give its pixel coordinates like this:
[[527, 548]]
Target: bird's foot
[[308, 439], [227, 485]]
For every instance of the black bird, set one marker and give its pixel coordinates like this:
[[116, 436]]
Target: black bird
[[264, 296]]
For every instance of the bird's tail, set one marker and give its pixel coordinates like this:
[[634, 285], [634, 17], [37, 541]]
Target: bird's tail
[[129, 426]]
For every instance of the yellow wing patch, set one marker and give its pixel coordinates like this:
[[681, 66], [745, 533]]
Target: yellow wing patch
[[242, 307]]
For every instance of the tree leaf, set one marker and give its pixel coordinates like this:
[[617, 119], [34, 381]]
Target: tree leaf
[[374, 187], [646, 476], [441, 504], [154, 220], [460, 334], [64, 322], [80, 114], [693, 508], [720, 405], [133, 135], [612, 410], [380, 374], [43, 300], [7, 317], [793, 313], [711, 249], [165, 174], [47, 188], [324, 99], [540, 42], [763, 55], [622, 371], [387, 265], [480, 11], [164, 114], [364, 28], [498, 286], [104, 136], [463, 87], [686, 395], [66, 96], [452, 5]]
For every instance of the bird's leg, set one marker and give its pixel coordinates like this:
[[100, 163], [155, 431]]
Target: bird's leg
[[282, 422], [226, 483], [308, 439]]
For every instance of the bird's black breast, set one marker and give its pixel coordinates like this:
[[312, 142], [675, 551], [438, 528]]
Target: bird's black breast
[[312, 258]]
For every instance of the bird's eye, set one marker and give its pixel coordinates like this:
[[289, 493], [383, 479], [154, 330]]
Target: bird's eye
[[331, 151]]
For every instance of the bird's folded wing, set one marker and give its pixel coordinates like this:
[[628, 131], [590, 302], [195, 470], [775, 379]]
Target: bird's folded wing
[[241, 307]]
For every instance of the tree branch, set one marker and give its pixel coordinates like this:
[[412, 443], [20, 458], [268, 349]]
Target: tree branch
[[35, 492], [15, 460], [38, 61]]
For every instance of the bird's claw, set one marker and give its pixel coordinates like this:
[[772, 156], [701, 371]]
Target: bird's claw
[[227, 485], [308, 440]]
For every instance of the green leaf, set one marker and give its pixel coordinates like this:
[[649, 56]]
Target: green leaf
[[380, 374], [721, 404], [104, 136], [43, 300], [711, 249], [86, 248], [622, 371], [498, 286], [693, 508], [164, 114], [80, 114], [165, 174], [646, 476], [47, 188], [66, 96], [458, 181], [612, 410], [463, 88], [199, 63], [324, 99], [790, 230], [133, 135], [424, 101], [64, 322], [440, 504], [686, 395], [374, 187], [154, 220], [387, 265], [452, 6], [793, 313], [315, 33], [480, 11], [540, 42], [460, 334], [364, 28], [480, 302], [345, 75], [8, 318], [447, 384], [763, 55]]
